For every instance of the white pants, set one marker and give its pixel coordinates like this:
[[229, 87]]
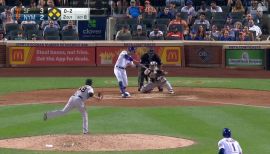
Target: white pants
[[73, 102], [121, 75]]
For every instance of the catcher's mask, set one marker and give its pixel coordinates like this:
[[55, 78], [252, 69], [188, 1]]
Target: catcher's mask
[[226, 132], [88, 82], [153, 65]]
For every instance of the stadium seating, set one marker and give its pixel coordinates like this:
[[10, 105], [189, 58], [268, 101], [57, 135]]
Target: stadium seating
[[101, 7], [69, 34], [162, 21], [11, 27], [29, 27], [51, 34]]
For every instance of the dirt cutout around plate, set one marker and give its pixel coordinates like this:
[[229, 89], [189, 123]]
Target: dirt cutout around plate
[[116, 142], [183, 97]]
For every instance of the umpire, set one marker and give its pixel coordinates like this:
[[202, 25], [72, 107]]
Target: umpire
[[145, 60]]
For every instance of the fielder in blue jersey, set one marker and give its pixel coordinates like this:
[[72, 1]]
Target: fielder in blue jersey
[[124, 59]]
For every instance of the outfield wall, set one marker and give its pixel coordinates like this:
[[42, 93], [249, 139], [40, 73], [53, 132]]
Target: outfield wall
[[2, 54], [104, 53]]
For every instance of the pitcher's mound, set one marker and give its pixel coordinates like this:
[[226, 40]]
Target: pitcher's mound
[[119, 142]]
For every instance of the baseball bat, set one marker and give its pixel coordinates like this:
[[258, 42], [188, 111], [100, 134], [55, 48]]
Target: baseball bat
[[139, 64], [143, 66]]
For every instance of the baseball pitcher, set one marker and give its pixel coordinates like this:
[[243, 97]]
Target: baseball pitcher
[[123, 60], [228, 145], [76, 101], [157, 79]]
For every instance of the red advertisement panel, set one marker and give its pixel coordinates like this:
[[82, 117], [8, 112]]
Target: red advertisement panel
[[52, 56]]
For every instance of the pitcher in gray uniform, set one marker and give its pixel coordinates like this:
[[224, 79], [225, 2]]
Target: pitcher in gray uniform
[[157, 79], [76, 101]]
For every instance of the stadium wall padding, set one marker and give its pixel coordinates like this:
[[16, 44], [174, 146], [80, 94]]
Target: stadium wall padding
[[105, 53]]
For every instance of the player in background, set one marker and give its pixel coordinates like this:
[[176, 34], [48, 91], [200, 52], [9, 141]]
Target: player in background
[[77, 100], [124, 59], [228, 145], [157, 79]]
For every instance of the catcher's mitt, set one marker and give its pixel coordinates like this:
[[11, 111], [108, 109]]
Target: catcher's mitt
[[100, 95]]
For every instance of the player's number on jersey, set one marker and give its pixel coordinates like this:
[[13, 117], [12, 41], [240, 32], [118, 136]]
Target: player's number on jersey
[[82, 89], [233, 147]]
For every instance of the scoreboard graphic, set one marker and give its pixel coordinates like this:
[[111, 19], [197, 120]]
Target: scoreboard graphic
[[40, 14]]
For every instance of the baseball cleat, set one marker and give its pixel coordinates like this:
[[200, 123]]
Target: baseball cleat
[[45, 116], [171, 92], [125, 95]]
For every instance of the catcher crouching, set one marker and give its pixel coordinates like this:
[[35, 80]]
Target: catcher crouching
[[157, 79]]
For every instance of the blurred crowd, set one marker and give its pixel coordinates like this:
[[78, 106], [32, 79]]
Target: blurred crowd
[[220, 20]]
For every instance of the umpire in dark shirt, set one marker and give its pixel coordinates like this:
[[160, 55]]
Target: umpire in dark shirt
[[145, 60]]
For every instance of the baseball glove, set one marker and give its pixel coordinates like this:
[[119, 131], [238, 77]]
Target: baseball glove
[[100, 95]]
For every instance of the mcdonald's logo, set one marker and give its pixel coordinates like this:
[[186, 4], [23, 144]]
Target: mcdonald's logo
[[172, 56], [18, 55]]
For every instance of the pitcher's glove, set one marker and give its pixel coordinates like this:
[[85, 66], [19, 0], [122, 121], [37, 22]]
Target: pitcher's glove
[[99, 95]]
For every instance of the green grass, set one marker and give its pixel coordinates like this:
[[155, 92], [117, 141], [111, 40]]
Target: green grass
[[27, 84], [196, 123], [250, 125]]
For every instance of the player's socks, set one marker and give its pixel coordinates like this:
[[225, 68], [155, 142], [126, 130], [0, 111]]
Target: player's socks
[[122, 88]]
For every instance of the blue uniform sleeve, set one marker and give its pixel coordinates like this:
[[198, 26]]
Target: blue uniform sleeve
[[221, 151], [128, 57]]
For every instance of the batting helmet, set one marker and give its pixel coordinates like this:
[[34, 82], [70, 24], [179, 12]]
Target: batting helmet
[[88, 82], [226, 132], [131, 49]]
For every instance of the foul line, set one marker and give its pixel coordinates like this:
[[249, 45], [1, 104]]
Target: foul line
[[236, 104], [186, 98]]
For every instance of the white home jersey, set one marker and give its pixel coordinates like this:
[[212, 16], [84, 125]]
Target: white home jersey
[[230, 146], [83, 92], [122, 61]]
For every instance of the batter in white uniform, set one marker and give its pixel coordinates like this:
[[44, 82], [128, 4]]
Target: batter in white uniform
[[123, 60], [228, 145], [76, 101]]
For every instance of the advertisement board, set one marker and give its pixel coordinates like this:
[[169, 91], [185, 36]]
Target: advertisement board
[[52, 56], [168, 55], [203, 56], [94, 29], [245, 58]]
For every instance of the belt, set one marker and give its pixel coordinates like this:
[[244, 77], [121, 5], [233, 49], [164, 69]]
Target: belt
[[120, 67], [79, 96]]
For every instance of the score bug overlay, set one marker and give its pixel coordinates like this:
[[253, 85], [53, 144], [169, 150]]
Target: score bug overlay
[[69, 13]]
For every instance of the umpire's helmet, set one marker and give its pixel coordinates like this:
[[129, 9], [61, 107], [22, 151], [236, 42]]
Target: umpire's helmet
[[151, 50], [88, 82], [226, 132]]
